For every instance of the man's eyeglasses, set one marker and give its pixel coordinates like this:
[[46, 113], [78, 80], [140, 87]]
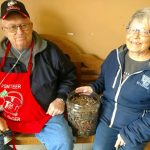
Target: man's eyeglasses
[[141, 32], [14, 28]]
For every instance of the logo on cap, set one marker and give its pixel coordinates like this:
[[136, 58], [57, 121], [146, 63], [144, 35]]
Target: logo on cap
[[11, 3], [10, 6]]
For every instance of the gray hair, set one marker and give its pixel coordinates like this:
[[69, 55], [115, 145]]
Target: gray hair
[[141, 15]]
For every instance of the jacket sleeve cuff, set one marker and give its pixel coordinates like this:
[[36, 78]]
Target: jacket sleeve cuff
[[92, 87], [62, 96]]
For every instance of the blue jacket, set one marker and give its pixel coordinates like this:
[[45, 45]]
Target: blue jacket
[[125, 104]]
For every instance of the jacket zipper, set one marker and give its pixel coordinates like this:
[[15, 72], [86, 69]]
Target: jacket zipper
[[119, 70], [116, 98], [115, 109], [143, 114], [116, 78], [119, 89]]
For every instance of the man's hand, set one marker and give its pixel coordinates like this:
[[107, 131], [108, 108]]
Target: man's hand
[[3, 124], [56, 107], [119, 142]]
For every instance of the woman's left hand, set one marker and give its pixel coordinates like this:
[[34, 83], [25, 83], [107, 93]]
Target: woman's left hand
[[119, 142]]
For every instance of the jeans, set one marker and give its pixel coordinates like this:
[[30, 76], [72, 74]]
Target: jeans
[[3, 145], [56, 135], [106, 137]]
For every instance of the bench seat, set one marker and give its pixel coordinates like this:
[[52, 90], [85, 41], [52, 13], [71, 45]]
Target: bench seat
[[24, 139], [87, 66]]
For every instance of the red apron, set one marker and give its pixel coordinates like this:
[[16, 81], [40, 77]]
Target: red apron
[[20, 109]]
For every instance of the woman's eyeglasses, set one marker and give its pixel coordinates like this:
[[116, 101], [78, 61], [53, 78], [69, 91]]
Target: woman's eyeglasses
[[141, 32]]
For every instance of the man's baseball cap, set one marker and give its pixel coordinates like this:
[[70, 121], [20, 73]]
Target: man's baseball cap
[[13, 6]]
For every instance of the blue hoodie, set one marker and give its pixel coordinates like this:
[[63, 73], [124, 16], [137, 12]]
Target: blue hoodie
[[125, 104]]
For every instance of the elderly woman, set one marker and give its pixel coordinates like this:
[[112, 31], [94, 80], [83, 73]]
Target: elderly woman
[[124, 83], [35, 79]]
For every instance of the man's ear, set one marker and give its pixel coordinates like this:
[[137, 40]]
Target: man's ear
[[1, 22], [2, 28], [3, 31], [32, 25]]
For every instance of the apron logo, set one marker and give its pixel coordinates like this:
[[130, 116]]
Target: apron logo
[[3, 93], [145, 82], [12, 102], [12, 86]]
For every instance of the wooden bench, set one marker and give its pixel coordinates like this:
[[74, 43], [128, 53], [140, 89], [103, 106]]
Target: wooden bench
[[22, 139], [87, 66]]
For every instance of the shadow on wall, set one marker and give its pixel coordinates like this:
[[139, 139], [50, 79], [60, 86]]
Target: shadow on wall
[[49, 21], [76, 54], [67, 46]]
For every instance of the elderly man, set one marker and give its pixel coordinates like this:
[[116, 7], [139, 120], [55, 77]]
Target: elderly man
[[35, 78]]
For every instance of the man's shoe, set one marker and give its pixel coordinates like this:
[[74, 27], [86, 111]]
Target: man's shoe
[[5, 147]]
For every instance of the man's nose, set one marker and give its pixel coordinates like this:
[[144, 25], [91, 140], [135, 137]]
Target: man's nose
[[19, 30]]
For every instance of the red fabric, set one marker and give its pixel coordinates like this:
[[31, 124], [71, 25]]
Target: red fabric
[[21, 110], [13, 142]]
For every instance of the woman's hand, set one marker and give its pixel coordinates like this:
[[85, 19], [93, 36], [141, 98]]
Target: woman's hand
[[84, 89], [119, 142]]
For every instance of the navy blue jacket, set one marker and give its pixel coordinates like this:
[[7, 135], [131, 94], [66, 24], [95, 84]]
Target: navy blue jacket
[[125, 104]]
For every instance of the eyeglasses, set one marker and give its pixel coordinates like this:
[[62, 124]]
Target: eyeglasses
[[141, 32], [14, 28]]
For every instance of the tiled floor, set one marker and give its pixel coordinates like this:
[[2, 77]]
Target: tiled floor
[[40, 147], [83, 147]]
